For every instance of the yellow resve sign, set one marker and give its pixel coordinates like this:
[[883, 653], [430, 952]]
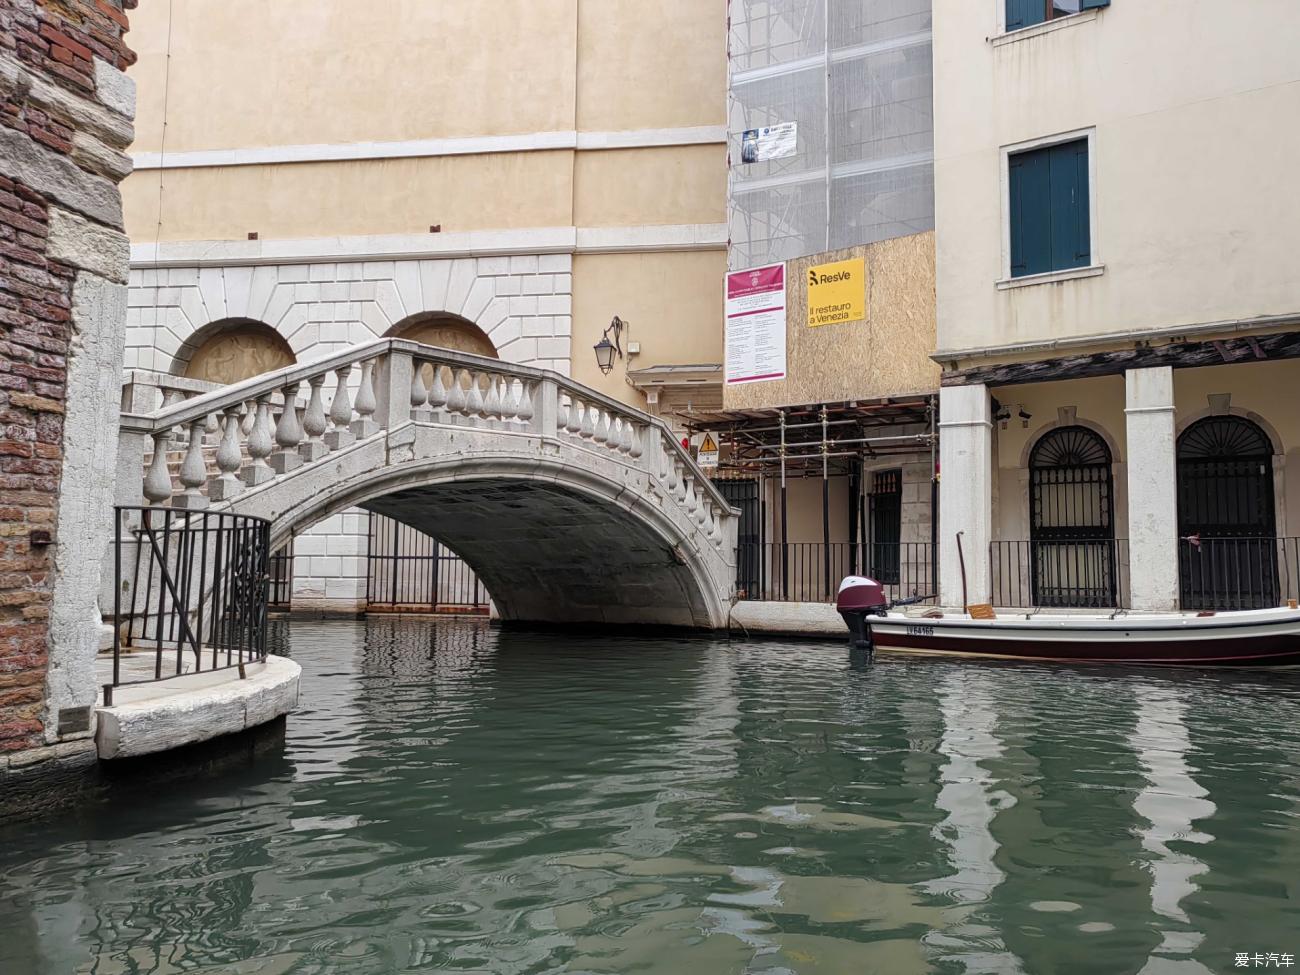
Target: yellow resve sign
[[837, 292]]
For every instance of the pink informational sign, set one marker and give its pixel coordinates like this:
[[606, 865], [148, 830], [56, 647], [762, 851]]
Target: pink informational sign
[[756, 324]]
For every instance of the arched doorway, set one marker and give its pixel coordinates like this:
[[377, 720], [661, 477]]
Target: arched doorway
[[1072, 519], [1226, 523], [233, 350]]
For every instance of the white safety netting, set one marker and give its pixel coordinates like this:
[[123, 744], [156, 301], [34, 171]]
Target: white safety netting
[[856, 76]]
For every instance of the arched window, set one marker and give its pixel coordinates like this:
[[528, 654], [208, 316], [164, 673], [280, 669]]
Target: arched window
[[233, 350], [1072, 519], [1228, 558]]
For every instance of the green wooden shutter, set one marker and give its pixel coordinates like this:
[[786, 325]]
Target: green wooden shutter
[[1068, 188], [1094, 4], [1030, 213], [1082, 209], [1025, 13]]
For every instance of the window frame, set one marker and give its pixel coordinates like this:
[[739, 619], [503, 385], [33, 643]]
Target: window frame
[[1095, 265], [1047, 22]]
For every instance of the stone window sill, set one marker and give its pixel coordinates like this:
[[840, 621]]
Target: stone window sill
[[1052, 277], [1046, 27]]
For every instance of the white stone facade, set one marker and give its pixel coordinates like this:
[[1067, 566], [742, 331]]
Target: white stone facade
[[523, 303]]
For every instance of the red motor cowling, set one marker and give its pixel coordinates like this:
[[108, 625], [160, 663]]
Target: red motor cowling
[[861, 594], [858, 600]]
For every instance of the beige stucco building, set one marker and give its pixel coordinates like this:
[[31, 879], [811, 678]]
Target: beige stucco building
[[310, 175], [1118, 308]]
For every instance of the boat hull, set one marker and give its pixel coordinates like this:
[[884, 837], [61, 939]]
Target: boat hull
[[1266, 639]]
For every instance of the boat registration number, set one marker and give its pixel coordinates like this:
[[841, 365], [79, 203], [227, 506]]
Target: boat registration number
[[918, 630]]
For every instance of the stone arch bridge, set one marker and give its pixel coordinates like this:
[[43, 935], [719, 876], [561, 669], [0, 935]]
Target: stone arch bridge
[[571, 506]]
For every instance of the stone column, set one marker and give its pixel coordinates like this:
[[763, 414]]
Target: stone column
[[965, 492], [1152, 489]]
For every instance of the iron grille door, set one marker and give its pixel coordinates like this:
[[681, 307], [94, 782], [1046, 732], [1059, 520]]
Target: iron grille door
[[744, 494], [1227, 558], [886, 525], [1072, 523]]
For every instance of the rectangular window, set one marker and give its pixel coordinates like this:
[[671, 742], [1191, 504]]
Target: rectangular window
[[1026, 13], [1049, 208]]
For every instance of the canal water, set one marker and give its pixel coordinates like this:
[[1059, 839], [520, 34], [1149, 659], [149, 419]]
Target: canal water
[[451, 798]]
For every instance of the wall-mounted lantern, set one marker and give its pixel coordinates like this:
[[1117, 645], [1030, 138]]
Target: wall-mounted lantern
[[607, 350]]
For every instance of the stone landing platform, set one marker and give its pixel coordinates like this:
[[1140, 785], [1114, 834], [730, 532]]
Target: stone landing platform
[[156, 717]]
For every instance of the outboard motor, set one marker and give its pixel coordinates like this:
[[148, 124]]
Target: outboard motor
[[859, 599]]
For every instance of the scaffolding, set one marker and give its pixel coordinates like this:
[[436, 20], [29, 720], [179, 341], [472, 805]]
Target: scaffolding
[[856, 76]]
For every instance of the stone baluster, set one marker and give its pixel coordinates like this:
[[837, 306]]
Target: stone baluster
[[437, 393], [715, 524], [634, 434], [288, 433], [194, 471], [212, 428], [456, 398], [607, 433], [474, 401], [526, 409], [598, 425], [248, 417], [227, 485], [260, 444], [158, 480], [492, 405], [562, 414], [340, 411], [314, 422], [624, 435], [679, 482], [574, 426], [690, 501], [365, 426], [419, 393]]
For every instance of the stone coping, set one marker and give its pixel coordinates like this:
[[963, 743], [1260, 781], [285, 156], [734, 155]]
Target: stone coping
[[158, 717]]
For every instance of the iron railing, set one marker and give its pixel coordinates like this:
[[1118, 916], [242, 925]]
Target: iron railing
[[798, 571], [409, 571], [1083, 573], [190, 593], [281, 572], [1238, 573]]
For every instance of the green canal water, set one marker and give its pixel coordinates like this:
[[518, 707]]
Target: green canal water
[[452, 798]]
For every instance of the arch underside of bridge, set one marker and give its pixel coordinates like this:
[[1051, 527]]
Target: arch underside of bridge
[[548, 553]]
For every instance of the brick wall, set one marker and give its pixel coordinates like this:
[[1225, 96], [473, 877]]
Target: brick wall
[[49, 94]]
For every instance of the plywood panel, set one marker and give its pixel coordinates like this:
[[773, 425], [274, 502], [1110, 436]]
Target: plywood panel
[[887, 354]]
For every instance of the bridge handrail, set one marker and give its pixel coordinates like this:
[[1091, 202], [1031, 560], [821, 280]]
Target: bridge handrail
[[240, 403]]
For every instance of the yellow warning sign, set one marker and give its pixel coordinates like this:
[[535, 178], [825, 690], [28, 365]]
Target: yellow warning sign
[[837, 292], [708, 454]]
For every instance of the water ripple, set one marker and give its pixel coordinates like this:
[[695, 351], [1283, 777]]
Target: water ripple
[[454, 798]]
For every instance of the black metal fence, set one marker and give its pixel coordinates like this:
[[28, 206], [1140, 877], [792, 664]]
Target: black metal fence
[[409, 571], [1238, 573], [190, 593], [1084, 573], [811, 571], [281, 570]]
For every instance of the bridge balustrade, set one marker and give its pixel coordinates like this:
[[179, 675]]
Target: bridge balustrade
[[239, 438]]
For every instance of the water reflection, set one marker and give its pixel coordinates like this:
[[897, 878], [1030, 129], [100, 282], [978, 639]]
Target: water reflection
[[971, 799], [454, 798], [1170, 802]]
